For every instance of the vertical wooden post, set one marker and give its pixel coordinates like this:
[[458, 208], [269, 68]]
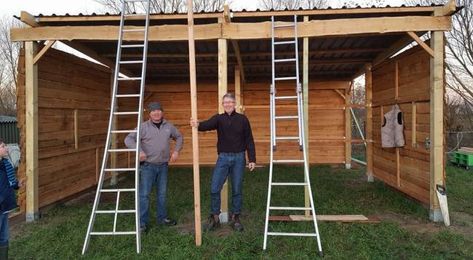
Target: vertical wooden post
[[31, 133], [414, 125], [76, 129], [369, 122], [238, 90], [396, 97], [195, 137], [305, 91], [347, 129], [436, 122], [222, 90]]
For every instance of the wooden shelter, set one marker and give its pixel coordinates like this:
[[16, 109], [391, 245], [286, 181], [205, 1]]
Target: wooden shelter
[[63, 100]]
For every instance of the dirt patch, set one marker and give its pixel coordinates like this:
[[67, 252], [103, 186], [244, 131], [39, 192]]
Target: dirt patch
[[187, 227], [461, 223]]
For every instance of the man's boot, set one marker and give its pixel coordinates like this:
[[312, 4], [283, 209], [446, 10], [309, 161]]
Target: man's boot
[[4, 252], [212, 223], [236, 224]]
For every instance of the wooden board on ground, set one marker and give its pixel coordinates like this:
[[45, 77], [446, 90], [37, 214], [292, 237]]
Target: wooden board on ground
[[332, 218], [466, 149]]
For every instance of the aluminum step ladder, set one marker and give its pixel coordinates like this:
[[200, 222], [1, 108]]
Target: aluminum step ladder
[[300, 138], [114, 114]]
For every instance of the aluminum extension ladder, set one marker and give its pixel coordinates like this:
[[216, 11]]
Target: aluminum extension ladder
[[112, 131], [300, 138]]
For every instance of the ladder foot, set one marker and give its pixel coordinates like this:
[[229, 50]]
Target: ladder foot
[[321, 254]]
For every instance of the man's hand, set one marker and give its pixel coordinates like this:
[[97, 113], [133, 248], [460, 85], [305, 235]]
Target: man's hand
[[194, 122], [142, 156], [252, 166], [174, 156]]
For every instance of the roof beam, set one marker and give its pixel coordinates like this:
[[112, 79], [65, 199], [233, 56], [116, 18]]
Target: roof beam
[[28, 19], [248, 54], [448, 9], [241, 14], [240, 31], [94, 55]]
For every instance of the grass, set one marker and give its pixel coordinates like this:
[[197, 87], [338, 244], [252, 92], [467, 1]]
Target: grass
[[60, 233]]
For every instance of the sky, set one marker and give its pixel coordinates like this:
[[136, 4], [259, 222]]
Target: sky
[[47, 7]]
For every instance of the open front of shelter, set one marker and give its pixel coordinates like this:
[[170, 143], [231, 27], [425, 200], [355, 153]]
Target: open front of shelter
[[64, 100]]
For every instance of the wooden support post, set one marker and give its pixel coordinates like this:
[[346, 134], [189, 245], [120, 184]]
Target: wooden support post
[[437, 89], [238, 90], [31, 133], [347, 129], [396, 97], [222, 90], [369, 122], [414, 125], [195, 136], [76, 129], [305, 91]]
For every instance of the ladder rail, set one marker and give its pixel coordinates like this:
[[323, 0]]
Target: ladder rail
[[301, 139], [107, 142], [111, 130]]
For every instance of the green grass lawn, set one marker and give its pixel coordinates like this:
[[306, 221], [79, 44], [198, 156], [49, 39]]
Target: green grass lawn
[[404, 231]]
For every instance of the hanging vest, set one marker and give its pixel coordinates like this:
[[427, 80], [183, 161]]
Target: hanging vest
[[392, 134]]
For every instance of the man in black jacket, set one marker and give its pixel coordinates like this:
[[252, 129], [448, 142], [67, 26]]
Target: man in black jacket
[[234, 138]]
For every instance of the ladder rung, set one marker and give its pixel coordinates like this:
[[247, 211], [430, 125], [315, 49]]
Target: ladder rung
[[113, 233], [284, 25], [289, 208], [134, 1], [289, 184], [130, 78], [133, 46], [136, 15], [285, 60], [123, 131], [284, 42], [287, 138], [125, 113], [118, 190], [127, 95], [292, 234], [286, 78], [131, 62], [120, 211], [119, 169], [288, 161], [121, 150], [286, 97], [286, 117]]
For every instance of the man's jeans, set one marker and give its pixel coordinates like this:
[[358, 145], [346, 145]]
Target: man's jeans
[[4, 233], [233, 165], [150, 174]]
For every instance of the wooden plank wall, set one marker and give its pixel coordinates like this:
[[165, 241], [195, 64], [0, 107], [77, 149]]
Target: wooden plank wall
[[327, 134], [404, 80], [73, 108]]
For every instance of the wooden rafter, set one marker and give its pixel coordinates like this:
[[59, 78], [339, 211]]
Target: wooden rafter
[[241, 14], [94, 55], [28, 19]]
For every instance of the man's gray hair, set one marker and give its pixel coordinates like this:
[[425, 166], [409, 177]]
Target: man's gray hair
[[229, 95]]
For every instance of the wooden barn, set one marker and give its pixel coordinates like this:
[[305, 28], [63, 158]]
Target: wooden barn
[[64, 100]]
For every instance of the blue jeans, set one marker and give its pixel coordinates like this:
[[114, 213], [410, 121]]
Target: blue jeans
[[150, 174], [4, 229], [233, 165]]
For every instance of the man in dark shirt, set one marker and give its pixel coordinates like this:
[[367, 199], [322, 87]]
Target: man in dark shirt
[[234, 138]]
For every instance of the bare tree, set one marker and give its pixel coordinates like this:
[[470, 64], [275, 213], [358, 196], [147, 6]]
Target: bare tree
[[292, 4], [8, 67], [164, 6]]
